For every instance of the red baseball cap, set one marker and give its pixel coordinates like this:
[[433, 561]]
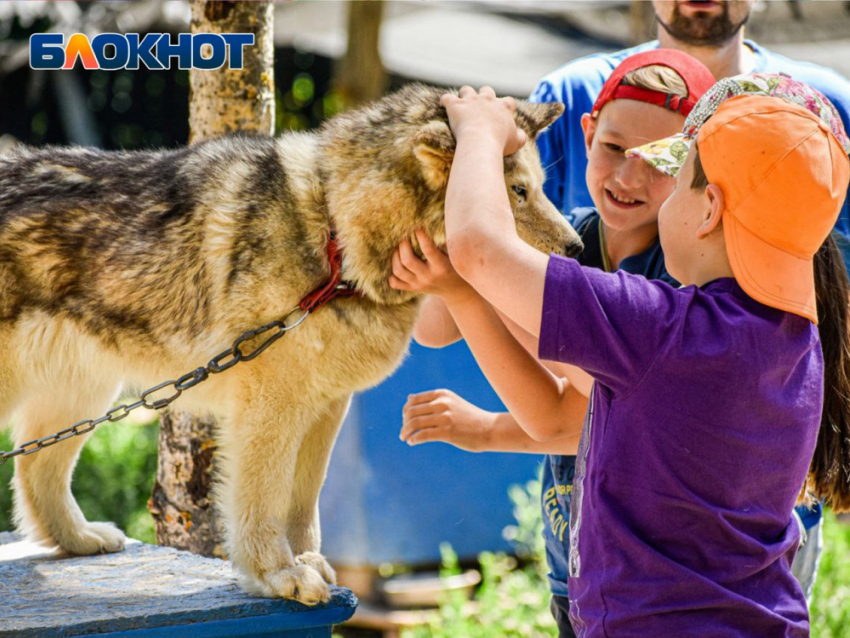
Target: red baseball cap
[[696, 76]]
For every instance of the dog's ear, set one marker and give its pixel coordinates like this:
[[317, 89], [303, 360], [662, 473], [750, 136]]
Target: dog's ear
[[434, 147], [534, 117]]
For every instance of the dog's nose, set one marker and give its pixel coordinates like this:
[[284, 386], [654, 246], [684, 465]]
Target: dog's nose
[[573, 247]]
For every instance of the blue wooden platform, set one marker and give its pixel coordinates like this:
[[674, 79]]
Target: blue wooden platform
[[144, 592]]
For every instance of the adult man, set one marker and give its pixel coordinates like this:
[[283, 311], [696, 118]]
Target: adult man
[[713, 33]]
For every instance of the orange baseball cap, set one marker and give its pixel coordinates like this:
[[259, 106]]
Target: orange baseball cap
[[784, 176]]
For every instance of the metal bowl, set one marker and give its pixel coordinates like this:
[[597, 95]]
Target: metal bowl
[[425, 589]]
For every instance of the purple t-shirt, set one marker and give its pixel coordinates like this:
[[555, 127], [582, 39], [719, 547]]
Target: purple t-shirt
[[713, 398]]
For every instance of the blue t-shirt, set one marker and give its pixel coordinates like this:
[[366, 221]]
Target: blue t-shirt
[[713, 400], [577, 84]]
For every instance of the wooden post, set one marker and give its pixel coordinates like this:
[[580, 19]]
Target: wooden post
[[224, 100], [360, 75], [641, 21], [220, 101]]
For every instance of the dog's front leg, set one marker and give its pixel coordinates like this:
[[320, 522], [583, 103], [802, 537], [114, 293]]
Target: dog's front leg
[[259, 457], [313, 457]]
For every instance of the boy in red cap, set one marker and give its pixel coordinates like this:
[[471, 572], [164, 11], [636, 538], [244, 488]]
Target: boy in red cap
[[647, 96], [714, 390]]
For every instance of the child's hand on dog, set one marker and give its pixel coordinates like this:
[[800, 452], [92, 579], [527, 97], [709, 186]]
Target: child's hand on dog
[[441, 415], [481, 117], [434, 275]]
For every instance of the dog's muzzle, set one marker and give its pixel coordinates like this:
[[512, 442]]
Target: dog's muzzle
[[573, 247]]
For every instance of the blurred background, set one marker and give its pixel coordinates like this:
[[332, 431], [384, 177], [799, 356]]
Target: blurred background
[[329, 56], [507, 44]]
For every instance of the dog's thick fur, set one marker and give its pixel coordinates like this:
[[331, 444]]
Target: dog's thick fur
[[135, 267]]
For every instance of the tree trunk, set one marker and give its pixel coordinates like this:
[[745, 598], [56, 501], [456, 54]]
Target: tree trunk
[[181, 504], [360, 76], [221, 101], [224, 100], [642, 21]]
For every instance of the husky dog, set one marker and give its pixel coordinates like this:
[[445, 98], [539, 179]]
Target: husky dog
[[135, 267]]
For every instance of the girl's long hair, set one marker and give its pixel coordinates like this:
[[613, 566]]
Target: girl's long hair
[[829, 472]]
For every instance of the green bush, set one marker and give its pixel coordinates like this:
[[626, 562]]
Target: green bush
[[512, 600], [113, 479], [830, 612]]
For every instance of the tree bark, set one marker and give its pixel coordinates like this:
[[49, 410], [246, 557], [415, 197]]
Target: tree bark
[[360, 75], [181, 504], [642, 21], [225, 100], [220, 101]]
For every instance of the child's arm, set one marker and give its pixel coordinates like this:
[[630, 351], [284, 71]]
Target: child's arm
[[545, 406], [611, 325], [441, 415], [481, 233], [435, 327], [578, 378]]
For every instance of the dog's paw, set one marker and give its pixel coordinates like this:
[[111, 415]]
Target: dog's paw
[[300, 582], [319, 563], [92, 538]]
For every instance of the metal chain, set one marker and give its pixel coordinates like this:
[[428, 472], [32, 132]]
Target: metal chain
[[219, 363]]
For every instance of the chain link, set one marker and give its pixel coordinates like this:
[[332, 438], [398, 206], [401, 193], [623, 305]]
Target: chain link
[[219, 363]]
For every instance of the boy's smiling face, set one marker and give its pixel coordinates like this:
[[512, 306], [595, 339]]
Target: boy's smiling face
[[627, 192]]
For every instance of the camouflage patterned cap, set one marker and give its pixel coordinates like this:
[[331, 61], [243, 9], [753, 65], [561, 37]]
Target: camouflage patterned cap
[[668, 155]]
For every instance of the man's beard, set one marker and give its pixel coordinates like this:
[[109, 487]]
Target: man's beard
[[703, 29]]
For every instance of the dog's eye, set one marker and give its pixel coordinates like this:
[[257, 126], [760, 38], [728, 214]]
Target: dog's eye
[[519, 190]]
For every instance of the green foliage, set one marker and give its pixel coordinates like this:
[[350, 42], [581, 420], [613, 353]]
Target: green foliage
[[830, 613], [304, 97], [5, 484], [512, 601], [527, 534], [113, 479]]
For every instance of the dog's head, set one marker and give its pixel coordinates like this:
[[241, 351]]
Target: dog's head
[[387, 168]]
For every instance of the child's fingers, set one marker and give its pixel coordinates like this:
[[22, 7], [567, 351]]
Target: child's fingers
[[426, 435], [397, 284], [423, 397], [399, 269], [411, 426], [422, 409], [487, 91], [429, 248], [409, 259], [522, 138]]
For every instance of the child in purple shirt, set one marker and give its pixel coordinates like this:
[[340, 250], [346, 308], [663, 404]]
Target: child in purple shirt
[[707, 389]]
